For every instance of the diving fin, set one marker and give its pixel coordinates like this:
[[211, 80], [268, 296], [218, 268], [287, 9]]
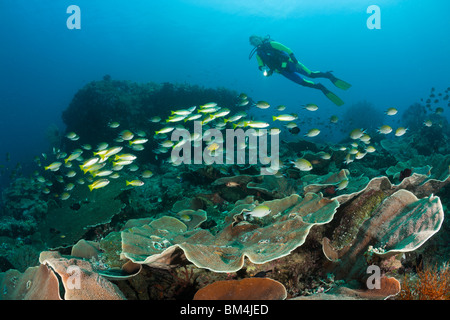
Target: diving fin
[[341, 84], [334, 98]]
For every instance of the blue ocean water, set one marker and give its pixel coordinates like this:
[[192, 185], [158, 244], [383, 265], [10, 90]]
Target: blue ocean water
[[43, 63]]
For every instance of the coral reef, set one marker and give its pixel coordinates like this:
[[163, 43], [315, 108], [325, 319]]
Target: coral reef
[[244, 289], [158, 230], [428, 284]]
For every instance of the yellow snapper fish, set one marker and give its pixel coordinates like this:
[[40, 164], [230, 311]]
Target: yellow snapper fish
[[167, 144], [93, 168], [262, 104], [164, 130], [208, 105], [256, 124], [98, 184], [125, 156], [53, 166], [138, 141], [209, 110], [181, 143], [134, 183], [391, 111], [281, 107], [302, 164], [102, 173], [193, 117], [400, 131], [108, 153], [285, 117], [222, 113], [182, 112], [234, 118], [89, 162], [312, 133], [385, 129], [240, 124], [207, 119], [311, 107], [120, 163], [258, 212], [176, 118], [75, 154]]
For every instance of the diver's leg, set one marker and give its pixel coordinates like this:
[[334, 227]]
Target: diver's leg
[[302, 69], [306, 83]]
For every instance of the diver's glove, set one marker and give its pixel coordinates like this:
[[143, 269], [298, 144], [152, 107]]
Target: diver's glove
[[293, 58]]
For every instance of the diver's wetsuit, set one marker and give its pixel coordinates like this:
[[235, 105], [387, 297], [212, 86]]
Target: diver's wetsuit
[[281, 59]]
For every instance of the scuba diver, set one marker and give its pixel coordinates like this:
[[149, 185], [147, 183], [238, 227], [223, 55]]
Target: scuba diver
[[274, 56]]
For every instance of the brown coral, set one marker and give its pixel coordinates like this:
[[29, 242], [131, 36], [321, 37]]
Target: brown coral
[[430, 284], [245, 289]]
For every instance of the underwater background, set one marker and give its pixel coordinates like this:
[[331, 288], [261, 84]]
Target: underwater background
[[176, 54]]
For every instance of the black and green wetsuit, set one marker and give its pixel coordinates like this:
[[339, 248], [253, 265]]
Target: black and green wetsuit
[[279, 58]]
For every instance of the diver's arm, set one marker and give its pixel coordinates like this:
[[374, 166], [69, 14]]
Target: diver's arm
[[261, 65], [260, 62], [282, 47]]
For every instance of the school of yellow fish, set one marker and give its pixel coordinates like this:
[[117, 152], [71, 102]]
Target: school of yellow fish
[[96, 167]]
